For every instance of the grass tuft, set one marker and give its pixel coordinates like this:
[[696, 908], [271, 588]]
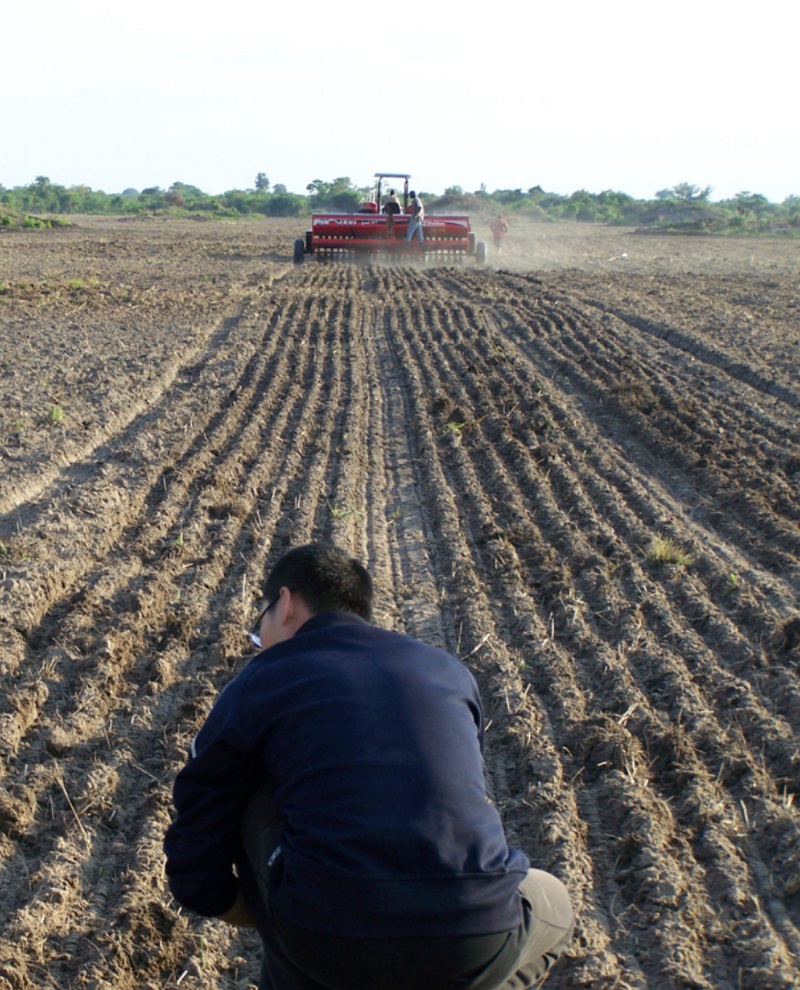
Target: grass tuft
[[664, 550]]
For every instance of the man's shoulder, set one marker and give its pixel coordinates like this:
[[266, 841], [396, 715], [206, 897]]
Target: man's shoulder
[[409, 646]]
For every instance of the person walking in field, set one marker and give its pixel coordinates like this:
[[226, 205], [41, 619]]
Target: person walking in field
[[335, 800], [499, 228], [417, 216]]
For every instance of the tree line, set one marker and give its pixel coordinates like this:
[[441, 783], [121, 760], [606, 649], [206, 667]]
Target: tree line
[[683, 206]]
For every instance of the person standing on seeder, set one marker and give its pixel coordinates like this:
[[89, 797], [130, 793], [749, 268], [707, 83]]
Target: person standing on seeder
[[417, 216]]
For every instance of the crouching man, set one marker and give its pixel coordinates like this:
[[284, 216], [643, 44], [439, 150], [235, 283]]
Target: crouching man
[[335, 800]]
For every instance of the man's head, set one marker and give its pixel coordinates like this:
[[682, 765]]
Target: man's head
[[326, 577], [308, 580]]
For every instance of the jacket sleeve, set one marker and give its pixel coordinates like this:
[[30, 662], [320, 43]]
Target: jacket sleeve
[[210, 795]]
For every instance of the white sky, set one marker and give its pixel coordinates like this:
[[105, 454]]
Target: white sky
[[574, 94]]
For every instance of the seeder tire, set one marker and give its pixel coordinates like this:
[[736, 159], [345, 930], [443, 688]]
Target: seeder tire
[[480, 253], [299, 251]]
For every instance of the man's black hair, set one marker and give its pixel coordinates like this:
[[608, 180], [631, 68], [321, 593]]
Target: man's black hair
[[326, 577]]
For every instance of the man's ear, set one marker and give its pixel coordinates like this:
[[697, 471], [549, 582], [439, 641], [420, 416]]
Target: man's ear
[[287, 609]]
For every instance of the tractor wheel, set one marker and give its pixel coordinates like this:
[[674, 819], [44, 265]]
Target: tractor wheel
[[299, 251], [480, 253]]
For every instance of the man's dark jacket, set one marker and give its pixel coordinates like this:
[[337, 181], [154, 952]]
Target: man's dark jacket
[[373, 745]]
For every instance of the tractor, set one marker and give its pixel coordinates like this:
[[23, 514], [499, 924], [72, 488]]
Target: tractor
[[379, 231]]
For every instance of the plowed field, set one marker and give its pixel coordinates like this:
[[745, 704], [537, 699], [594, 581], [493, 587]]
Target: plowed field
[[579, 471]]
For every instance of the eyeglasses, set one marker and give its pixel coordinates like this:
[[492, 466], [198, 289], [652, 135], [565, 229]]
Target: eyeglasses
[[255, 638], [253, 634]]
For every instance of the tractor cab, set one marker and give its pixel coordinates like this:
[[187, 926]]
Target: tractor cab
[[386, 192]]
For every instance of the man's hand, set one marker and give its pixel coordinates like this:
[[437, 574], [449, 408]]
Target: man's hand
[[239, 915]]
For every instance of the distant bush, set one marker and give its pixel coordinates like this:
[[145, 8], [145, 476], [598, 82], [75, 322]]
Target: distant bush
[[286, 204], [13, 219], [457, 203]]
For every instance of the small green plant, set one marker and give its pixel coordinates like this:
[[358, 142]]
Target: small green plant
[[56, 416], [179, 543], [664, 550], [341, 512], [453, 429], [74, 284], [19, 551]]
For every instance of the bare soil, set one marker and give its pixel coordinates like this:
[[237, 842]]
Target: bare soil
[[504, 447]]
